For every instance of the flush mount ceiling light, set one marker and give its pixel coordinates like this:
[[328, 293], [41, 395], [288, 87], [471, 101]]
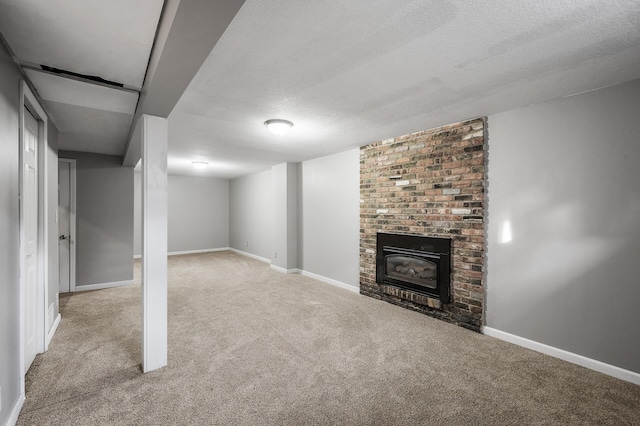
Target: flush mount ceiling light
[[199, 164], [278, 127]]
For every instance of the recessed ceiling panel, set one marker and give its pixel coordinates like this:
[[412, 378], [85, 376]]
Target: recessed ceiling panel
[[63, 90], [110, 39]]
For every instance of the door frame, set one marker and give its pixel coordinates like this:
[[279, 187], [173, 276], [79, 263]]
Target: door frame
[[29, 101], [72, 221]]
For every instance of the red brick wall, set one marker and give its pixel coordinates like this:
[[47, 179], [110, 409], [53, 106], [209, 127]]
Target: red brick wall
[[428, 183]]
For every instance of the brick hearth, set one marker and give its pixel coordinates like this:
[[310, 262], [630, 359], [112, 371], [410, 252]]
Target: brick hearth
[[428, 183]]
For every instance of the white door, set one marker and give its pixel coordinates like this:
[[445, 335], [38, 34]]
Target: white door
[[64, 225], [29, 198]]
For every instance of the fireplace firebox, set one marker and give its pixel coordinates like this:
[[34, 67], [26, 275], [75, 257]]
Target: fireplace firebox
[[415, 263]]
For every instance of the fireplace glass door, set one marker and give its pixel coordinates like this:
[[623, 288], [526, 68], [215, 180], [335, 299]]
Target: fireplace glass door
[[411, 269]]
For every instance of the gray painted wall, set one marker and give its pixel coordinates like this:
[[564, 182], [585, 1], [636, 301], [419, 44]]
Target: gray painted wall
[[250, 206], [284, 229], [326, 228], [292, 215], [331, 216], [104, 218], [565, 176], [198, 213], [9, 229]]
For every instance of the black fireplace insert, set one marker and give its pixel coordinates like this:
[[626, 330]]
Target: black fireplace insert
[[414, 262]]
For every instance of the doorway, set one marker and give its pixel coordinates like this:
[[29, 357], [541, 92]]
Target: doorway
[[67, 224]]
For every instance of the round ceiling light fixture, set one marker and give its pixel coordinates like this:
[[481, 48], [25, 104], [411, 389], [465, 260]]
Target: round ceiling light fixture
[[278, 127], [200, 164]]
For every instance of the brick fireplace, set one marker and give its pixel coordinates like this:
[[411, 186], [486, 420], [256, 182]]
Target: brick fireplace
[[429, 183]]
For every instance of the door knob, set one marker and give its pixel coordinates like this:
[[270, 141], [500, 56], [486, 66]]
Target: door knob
[[63, 237]]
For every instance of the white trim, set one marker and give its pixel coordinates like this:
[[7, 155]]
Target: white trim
[[251, 255], [178, 253], [15, 412], [50, 321], [285, 271], [28, 99], [54, 327], [592, 364], [21, 295], [331, 281], [72, 222], [43, 226], [104, 285]]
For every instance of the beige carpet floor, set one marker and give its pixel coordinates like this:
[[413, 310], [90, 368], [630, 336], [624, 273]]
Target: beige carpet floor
[[251, 346]]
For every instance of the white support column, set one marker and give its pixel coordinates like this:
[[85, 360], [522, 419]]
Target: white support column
[[154, 241]]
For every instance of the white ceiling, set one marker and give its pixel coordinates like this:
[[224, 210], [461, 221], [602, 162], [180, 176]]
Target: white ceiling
[[346, 73], [109, 39], [351, 73]]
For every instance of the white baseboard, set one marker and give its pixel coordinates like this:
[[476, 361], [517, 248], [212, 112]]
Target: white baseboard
[[103, 285], [175, 253], [51, 332], [285, 271], [592, 364], [317, 277], [251, 255], [331, 281], [50, 320], [15, 412]]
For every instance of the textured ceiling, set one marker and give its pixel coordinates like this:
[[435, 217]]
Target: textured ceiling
[[351, 73], [346, 73]]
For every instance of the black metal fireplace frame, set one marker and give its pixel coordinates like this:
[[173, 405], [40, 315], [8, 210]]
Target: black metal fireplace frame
[[432, 249]]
